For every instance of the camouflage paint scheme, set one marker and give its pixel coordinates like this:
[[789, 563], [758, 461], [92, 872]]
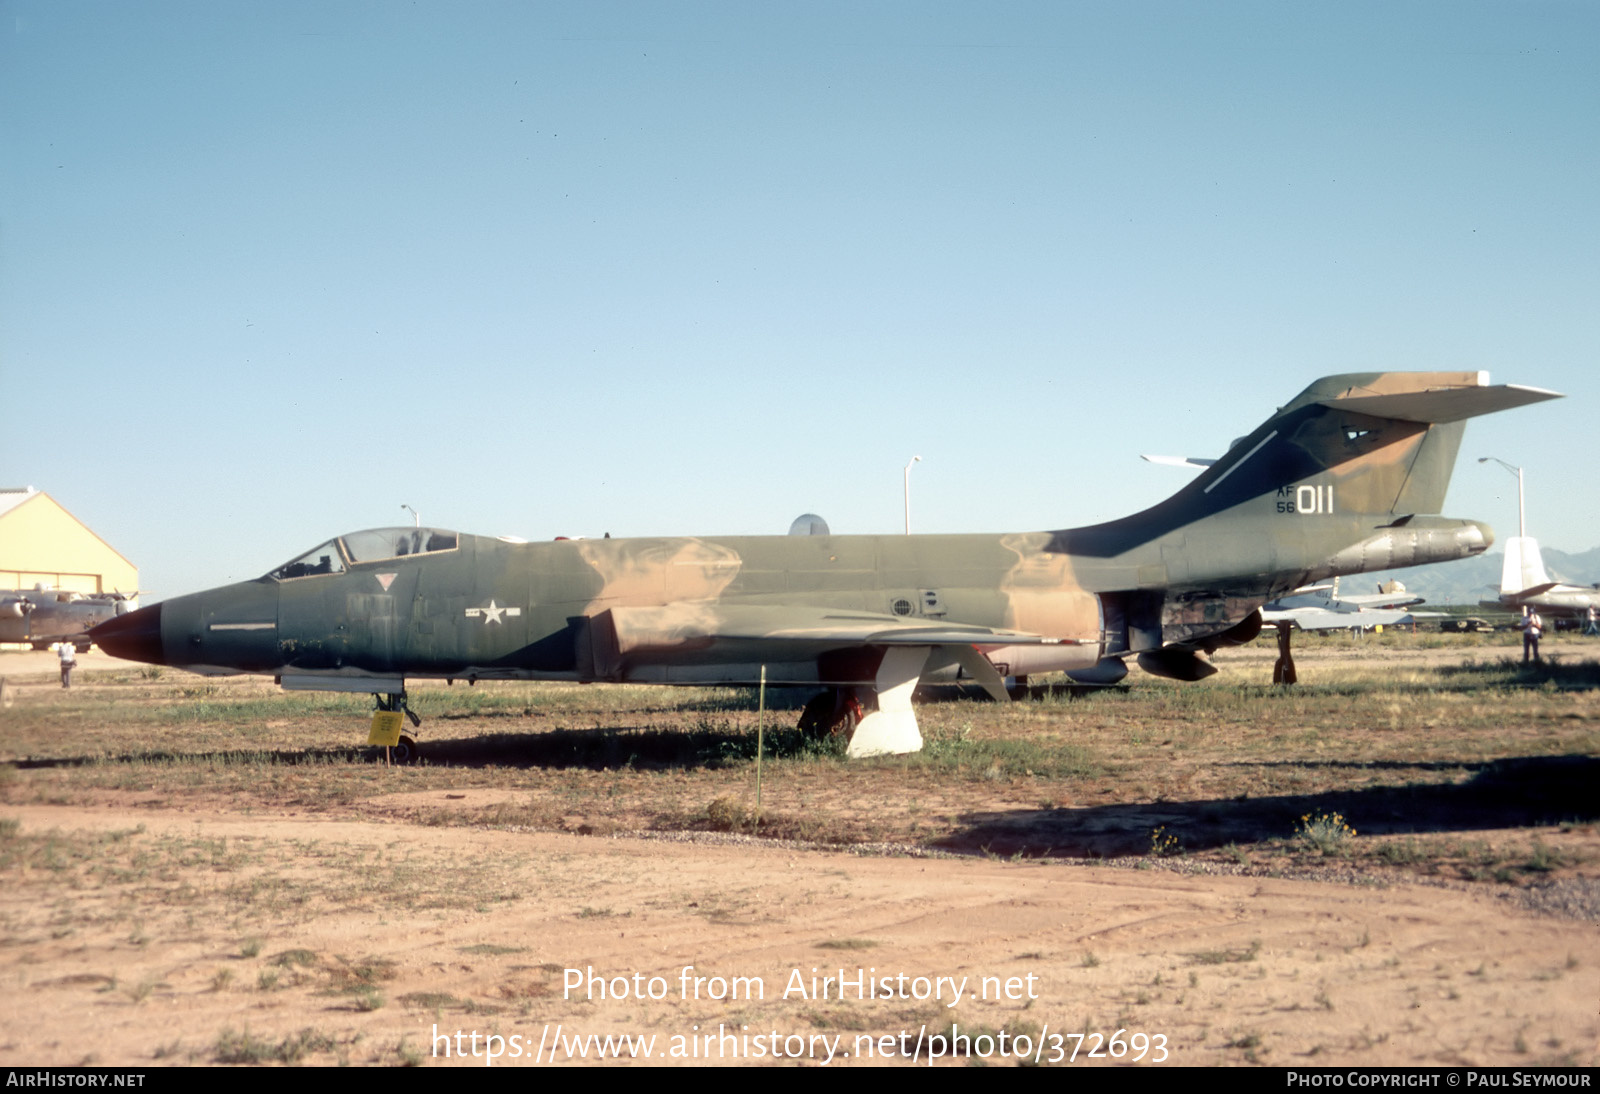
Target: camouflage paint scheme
[[1347, 478]]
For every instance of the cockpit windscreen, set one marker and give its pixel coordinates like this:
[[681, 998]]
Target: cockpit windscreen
[[370, 546], [379, 543]]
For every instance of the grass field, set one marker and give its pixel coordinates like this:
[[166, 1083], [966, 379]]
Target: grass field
[[214, 871], [1408, 741]]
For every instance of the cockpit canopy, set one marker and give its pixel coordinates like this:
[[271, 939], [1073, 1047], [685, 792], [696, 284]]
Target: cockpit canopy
[[372, 545]]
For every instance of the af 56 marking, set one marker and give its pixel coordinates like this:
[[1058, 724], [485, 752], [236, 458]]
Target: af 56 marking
[[1308, 500]]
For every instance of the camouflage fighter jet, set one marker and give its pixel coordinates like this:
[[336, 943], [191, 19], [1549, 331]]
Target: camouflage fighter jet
[[43, 617], [1347, 478]]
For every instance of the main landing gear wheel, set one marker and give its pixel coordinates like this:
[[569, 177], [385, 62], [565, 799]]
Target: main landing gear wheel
[[834, 713], [406, 752]]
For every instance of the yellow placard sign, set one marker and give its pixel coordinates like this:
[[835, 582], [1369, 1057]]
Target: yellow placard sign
[[386, 728]]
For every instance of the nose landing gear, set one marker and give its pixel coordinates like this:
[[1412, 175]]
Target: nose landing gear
[[404, 750]]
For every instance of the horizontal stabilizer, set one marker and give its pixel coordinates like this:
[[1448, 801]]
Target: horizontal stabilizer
[[1443, 405], [1179, 461]]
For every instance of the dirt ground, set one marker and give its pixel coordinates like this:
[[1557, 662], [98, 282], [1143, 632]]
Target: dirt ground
[[137, 929]]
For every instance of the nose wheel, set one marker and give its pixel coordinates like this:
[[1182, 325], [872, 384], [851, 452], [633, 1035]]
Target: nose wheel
[[405, 750]]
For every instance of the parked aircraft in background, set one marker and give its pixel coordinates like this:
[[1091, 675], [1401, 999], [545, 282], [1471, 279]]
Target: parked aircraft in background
[[1347, 478], [1324, 608], [44, 617], [1524, 584]]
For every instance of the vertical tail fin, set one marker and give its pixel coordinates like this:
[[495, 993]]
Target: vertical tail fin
[[1385, 443], [1524, 568], [1372, 445]]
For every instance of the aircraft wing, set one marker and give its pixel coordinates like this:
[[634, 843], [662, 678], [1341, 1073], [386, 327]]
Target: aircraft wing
[[698, 622], [1317, 619], [1369, 601], [711, 632]]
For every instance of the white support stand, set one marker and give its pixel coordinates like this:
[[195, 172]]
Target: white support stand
[[978, 667], [891, 730]]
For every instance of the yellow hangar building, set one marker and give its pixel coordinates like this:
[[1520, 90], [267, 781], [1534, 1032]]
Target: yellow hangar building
[[43, 544]]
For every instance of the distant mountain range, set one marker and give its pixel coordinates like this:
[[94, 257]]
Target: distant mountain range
[[1473, 579]]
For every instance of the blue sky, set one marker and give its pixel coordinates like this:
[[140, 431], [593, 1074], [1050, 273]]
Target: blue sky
[[270, 271]]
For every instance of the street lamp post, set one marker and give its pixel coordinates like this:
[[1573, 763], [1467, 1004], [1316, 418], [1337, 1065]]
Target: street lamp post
[[1522, 515], [914, 459], [416, 517]]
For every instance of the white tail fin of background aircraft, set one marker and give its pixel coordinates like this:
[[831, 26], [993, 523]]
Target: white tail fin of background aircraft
[[1523, 568], [1525, 586]]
